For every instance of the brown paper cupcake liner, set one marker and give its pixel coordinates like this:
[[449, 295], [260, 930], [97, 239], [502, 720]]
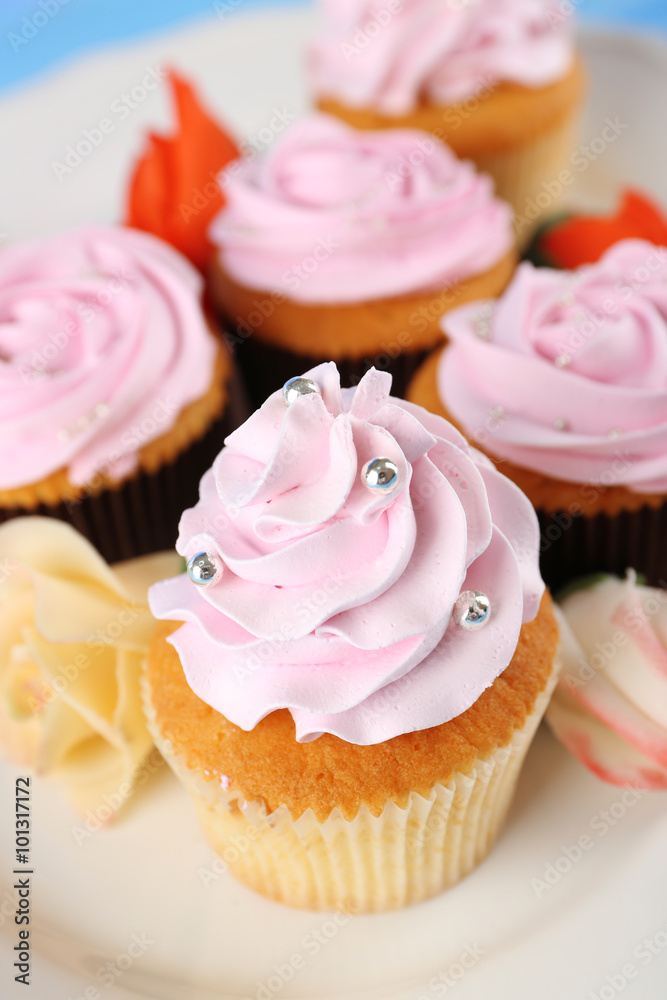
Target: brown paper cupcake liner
[[267, 368], [404, 855], [142, 514], [578, 546]]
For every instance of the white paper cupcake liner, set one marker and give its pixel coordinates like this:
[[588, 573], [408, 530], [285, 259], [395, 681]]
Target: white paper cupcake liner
[[370, 863]]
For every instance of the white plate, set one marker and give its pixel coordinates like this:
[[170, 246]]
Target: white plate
[[143, 876]]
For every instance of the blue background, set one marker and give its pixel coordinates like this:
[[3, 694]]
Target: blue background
[[83, 24]]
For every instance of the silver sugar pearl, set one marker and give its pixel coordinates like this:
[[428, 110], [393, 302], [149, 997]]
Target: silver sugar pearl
[[560, 424], [204, 569], [614, 433], [299, 386], [472, 609], [563, 360], [497, 413], [380, 474]]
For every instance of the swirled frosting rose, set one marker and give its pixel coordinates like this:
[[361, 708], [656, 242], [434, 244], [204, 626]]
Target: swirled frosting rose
[[73, 635], [331, 214], [335, 600], [610, 706], [102, 343], [390, 54], [567, 374]]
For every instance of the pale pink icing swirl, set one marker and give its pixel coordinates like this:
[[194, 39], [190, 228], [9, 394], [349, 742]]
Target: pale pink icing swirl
[[388, 55], [568, 374], [102, 343], [335, 603], [331, 214], [610, 706]]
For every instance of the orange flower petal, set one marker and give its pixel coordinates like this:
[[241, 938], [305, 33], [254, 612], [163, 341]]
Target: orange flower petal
[[173, 191], [584, 239]]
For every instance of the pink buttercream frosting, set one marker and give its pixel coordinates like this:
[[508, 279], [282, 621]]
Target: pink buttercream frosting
[[610, 705], [331, 214], [567, 374], [102, 343], [334, 602], [389, 55]]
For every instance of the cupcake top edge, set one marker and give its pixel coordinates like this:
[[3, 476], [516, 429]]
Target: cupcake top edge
[[328, 214], [389, 55], [103, 342], [353, 560], [566, 373]]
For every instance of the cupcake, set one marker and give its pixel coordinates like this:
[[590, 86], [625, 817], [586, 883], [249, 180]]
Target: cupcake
[[349, 246], [366, 649], [114, 389], [610, 705], [498, 80], [563, 382]]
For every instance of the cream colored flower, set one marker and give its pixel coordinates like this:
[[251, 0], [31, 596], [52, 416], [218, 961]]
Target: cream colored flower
[[73, 634], [610, 706]]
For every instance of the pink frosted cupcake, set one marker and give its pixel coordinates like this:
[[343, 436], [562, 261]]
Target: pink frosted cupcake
[[366, 648], [343, 245], [563, 382], [498, 80], [113, 387]]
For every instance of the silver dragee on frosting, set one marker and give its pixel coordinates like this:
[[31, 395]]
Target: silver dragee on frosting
[[336, 601], [568, 376]]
